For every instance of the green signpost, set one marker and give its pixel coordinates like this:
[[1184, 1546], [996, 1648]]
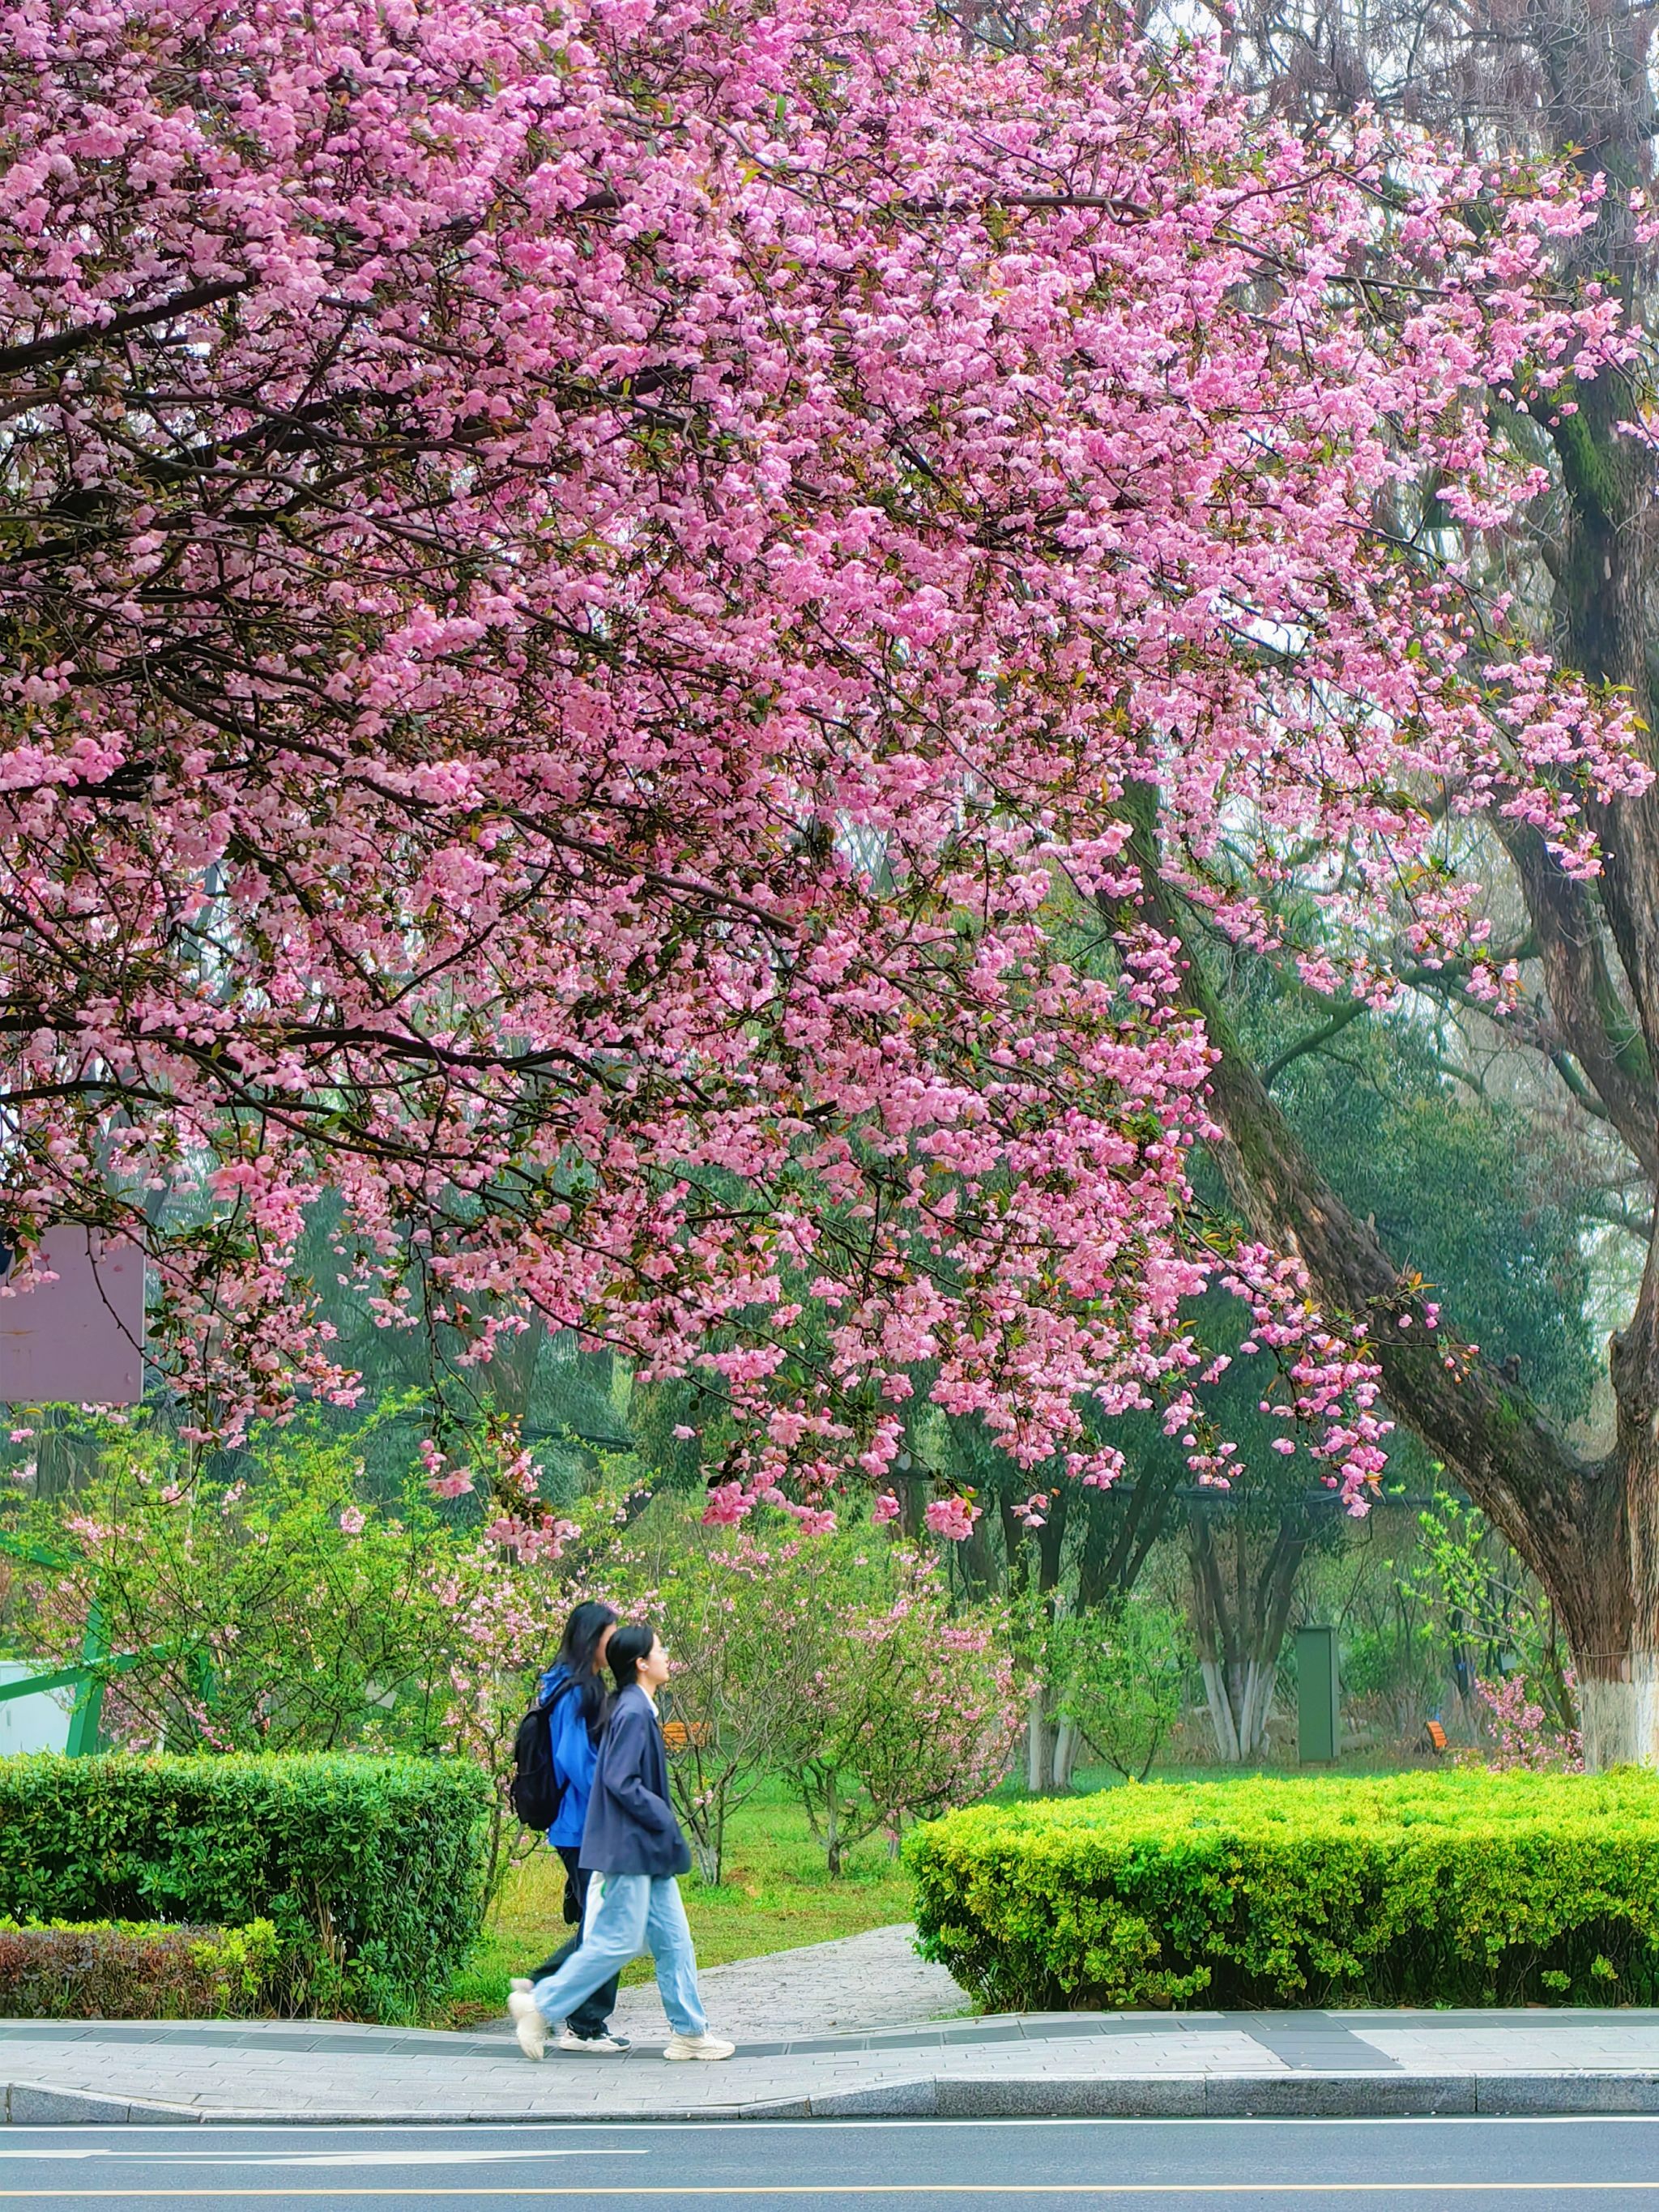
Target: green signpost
[[1318, 1697]]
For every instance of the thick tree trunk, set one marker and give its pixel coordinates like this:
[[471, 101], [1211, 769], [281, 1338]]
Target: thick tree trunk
[[1048, 1543], [1039, 1741], [1589, 1530], [1239, 1621], [1241, 1702], [1574, 81], [1064, 1764], [1612, 1613], [976, 1561]]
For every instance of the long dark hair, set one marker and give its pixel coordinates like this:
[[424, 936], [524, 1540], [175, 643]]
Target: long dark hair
[[577, 1656], [627, 1648]]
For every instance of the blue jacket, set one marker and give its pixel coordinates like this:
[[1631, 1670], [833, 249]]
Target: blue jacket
[[631, 1828], [573, 1756]]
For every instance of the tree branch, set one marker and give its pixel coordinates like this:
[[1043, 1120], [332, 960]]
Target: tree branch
[[1600, 1035], [1314, 1039], [79, 335]]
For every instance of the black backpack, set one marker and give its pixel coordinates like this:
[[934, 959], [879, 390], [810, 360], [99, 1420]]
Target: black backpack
[[536, 1793]]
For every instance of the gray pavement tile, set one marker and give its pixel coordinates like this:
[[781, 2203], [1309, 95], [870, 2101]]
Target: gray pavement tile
[[1315, 2042], [1316, 2062]]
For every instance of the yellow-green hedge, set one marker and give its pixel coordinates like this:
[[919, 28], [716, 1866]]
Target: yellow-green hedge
[[1454, 1888]]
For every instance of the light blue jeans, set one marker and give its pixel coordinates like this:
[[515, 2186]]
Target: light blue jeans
[[627, 1913]]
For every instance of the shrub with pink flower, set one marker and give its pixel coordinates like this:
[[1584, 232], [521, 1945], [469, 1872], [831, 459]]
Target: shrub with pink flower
[[1520, 1730], [293, 1610], [911, 1711]]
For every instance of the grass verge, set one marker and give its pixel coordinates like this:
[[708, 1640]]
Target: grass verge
[[775, 1895]]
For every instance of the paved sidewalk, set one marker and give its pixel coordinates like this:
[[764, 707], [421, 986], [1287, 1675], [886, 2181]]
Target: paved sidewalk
[[1186, 2064]]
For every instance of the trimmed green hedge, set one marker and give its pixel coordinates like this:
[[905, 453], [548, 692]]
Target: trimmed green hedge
[[372, 1870], [1457, 1888], [134, 1970]]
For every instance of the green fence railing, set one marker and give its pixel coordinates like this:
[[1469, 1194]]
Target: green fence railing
[[90, 1675]]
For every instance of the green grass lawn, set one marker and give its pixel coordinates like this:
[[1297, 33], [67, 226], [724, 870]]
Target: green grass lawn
[[775, 1895]]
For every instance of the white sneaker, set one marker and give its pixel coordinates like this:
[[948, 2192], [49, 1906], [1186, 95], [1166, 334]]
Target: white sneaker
[[697, 2046], [595, 2047], [528, 2025]]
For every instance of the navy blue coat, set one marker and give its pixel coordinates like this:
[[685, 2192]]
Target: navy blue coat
[[630, 1827]]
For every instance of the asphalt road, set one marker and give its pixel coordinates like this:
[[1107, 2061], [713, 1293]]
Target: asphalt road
[[835, 2166]]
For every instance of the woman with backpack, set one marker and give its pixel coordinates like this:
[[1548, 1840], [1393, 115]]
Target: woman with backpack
[[633, 1847], [572, 1694]]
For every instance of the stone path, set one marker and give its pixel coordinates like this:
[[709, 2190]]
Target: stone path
[[859, 1983], [843, 2028]]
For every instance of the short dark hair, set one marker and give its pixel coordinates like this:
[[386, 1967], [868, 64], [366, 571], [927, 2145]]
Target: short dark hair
[[627, 1648]]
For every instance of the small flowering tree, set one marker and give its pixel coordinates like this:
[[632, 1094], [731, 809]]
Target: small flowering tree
[[1523, 1732], [747, 1621], [912, 1710], [280, 1613]]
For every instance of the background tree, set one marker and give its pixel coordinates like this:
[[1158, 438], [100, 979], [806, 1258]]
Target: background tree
[[1571, 82]]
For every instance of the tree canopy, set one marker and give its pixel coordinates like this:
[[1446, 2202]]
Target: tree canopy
[[580, 581]]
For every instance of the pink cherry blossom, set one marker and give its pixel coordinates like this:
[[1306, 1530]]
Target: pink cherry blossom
[[588, 590], [952, 1518]]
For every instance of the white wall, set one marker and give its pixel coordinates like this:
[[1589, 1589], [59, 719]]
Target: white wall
[[40, 1724]]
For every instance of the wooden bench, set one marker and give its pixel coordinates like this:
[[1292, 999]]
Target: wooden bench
[[683, 1735]]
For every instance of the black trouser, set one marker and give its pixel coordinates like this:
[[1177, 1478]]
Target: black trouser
[[591, 2015]]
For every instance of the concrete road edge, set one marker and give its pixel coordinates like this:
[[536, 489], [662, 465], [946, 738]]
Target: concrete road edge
[[1329, 2096]]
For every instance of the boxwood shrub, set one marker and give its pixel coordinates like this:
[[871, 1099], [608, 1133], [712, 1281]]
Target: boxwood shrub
[[134, 1970], [1455, 1887], [371, 1870]]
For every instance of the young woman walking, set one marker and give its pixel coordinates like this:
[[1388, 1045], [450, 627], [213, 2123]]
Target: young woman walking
[[631, 1850], [574, 1688]]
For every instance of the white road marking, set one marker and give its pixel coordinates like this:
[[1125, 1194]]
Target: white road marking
[[1197, 2192], [417, 2156]]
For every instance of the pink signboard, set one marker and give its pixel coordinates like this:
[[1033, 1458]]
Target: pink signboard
[[79, 1340]]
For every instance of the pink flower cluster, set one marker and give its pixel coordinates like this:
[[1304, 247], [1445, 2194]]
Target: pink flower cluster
[[1523, 1734]]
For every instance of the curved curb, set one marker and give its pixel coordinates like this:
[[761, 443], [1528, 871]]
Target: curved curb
[[38, 2105], [1309, 2096]]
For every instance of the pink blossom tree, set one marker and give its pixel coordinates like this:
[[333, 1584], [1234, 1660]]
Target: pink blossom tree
[[586, 589], [910, 1710]]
